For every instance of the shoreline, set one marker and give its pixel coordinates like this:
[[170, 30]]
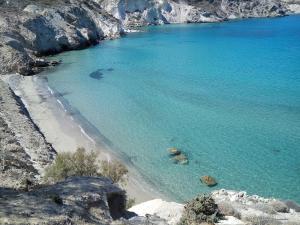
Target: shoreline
[[66, 129]]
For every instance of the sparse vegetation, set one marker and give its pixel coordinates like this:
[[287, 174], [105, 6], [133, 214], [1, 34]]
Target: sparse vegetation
[[130, 202], [200, 210], [82, 163], [115, 170]]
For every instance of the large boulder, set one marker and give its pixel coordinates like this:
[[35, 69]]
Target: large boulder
[[208, 180], [77, 200], [169, 211]]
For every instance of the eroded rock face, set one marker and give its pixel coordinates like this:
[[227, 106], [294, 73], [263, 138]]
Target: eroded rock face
[[144, 12], [24, 152], [33, 28], [293, 5], [77, 200], [255, 209], [30, 29]]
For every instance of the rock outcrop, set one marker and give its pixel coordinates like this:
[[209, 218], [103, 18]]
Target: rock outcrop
[[292, 5], [31, 29], [77, 200], [253, 209], [144, 12], [34, 28], [237, 208], [24, 152], [169, 211]]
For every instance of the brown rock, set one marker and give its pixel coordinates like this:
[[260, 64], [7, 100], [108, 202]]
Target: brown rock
[[208, 180], [174, 151]]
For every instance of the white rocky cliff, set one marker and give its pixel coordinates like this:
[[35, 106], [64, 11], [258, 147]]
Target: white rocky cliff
[[292, 5], [144, 12]]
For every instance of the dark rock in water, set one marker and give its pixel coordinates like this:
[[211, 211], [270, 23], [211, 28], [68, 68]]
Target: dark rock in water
[[208, 180], [110, 69], [276, 150], [55, 63], [41, 63], [96, 74]]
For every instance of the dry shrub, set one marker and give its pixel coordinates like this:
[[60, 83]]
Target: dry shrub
[[82, 163], [115, 170], [130, 202]]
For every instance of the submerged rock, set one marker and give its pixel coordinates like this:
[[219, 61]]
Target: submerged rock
[[174, 151], [180, 159], [208, 180], [177, 156], [96, 74]]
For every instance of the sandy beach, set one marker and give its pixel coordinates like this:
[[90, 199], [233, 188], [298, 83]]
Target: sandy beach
[[65, 132]]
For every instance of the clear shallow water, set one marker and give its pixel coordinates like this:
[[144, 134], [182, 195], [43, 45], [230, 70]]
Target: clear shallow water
[[227, 94]]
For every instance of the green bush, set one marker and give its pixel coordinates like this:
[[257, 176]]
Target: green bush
[[200, 210], [82, 163]]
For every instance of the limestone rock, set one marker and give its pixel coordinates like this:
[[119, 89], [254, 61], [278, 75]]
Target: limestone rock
[[169, 211]]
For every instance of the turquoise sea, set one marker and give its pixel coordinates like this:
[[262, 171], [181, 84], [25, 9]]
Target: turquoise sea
[[227, 94]]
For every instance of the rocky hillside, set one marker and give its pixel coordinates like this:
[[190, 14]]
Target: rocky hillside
[[24, 152], [31, 29], [292, 5], [77, 200], [95, 200], [144, 12]]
